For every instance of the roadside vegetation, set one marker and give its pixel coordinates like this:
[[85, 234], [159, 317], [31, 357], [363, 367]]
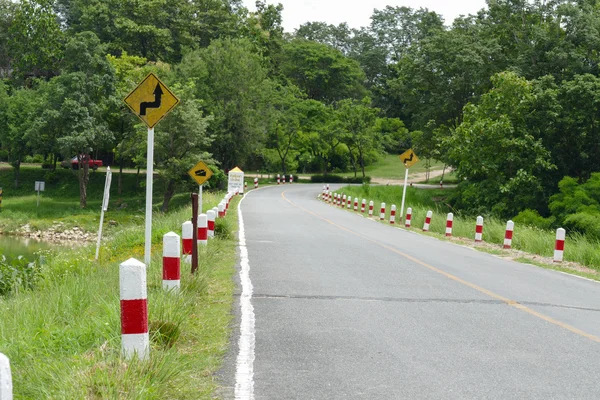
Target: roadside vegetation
[[61, 329], [528, 237]]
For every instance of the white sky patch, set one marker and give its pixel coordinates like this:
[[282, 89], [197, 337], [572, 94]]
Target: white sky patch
[[358, 13]]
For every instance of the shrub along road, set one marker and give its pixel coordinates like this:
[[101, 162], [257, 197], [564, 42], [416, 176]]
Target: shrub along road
[[349, 308]]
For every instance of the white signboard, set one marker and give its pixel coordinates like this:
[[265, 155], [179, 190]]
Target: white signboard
[[236, 181], [40, 186]]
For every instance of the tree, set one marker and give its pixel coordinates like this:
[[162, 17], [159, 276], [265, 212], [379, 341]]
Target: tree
[[35, 40], [77, 103], [181, 140], [357, 121], [7, 13], [494, 150], [322, 72]]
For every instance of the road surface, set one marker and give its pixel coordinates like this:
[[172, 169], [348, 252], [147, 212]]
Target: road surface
[[348, 308]]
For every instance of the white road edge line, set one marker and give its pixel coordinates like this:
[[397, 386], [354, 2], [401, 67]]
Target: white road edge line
[[244, 371]]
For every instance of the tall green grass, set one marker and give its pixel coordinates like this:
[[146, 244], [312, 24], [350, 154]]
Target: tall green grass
[[530, 239], [63, 337], [391, 167]]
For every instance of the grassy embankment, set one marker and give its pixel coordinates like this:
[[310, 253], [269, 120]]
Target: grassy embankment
[[63, 337], [529, 239]]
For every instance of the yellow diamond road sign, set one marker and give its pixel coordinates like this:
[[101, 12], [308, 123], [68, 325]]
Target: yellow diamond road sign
[[201, 173], [409, 158], [151, 100]]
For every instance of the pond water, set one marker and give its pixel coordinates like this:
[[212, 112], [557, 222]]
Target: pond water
[[13, 246]]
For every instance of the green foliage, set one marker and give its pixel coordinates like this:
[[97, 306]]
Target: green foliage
[[533, 218], [339, 179], [17, 274]]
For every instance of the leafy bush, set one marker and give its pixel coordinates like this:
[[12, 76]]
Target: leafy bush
[[50, 177], [339, 179], [534, 219], [17, 273], [37, 158]]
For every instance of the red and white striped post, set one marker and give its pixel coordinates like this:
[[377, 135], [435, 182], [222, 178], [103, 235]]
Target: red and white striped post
[[479, 229], [356, 204], [291, 178], [449, 221], [134, 309], [6, 388], [245, 186], [371, 208], [171, 261], [559, 247], [187, 235], [203, 229], [278, 179], [255, 183], [343, 201], [393, 214], [408, 217], [382, 212], [323, 193], [427, 221], [508, 235], [283, 179], [363, 205], [221, 209], [339, 201], [349, 206], [211, 216], [328, 186]]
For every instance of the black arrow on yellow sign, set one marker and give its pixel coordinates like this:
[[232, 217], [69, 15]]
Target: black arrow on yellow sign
[[152, 104]]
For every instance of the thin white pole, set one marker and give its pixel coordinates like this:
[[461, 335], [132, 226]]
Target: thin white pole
[[404, 193], [200, 200], [149, 177], [103, 208], [38, 198]]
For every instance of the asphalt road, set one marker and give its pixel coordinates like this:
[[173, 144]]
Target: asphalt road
[[348, 308]]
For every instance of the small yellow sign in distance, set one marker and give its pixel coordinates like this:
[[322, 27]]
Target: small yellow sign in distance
[[151, 100], [200, 173], [409, 158]]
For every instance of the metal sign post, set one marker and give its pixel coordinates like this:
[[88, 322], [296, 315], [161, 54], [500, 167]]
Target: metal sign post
[[39, 187], [150, 101], [195, 232], [408, 158], [103, 208]]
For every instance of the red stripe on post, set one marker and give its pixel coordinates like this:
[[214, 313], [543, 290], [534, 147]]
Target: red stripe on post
[[211, 225], [427, 220], [134, 316], [448, 224], [509, 235], [202, 233], [560, 245], [187, 246], [171, 268], [478, 229]]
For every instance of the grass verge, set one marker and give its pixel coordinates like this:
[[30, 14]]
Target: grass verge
[[529, 239], [63, 337]]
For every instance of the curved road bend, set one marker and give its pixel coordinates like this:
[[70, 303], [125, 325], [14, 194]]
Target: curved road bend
[[347, 308]]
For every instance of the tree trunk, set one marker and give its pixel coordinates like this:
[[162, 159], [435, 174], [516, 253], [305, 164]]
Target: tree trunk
[[17, 166], [84, 177], [120, 175], [168, 195]]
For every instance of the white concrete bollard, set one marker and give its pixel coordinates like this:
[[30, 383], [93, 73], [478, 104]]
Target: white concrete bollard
[[427, 221], [508, 235], [6, 389], [255, 183], [356, 204], [349, 206], [479, 229], [171, 261], [371, 208], [202, 229], [187, 236], [211, 216], [449, 221], [278, 178], [559, 247], [408, 217], [393, 214], [134, 309], [343, 201], [221, 213], [382, 212], [291, 178], [245, 186]]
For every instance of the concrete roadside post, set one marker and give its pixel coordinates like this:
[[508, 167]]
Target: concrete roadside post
[[356, 204], [202, 229], [6, 389], [255, 183], [559, 247], [371, 208], [393, 214], [479, 229], [171, 261], [449, 221], [186, 240], [134, 309], [408, 217], [382, 212], [211, 215], [508, 235], [427, 221], [363, 205]]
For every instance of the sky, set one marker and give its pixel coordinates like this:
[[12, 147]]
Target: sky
[[357, 13]]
